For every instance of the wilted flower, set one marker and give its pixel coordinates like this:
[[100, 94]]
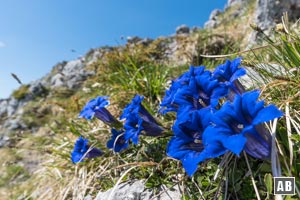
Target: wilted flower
[[82, 150], [236, 126], [138, 119], [96, 107], [117, 141]]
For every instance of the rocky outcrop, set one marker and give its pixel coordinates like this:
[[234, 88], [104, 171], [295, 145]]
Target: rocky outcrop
[[213, 19], [68, 75], [268, 13]]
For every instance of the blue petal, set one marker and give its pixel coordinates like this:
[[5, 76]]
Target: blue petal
[[235, 63], [76, 157], [257, 147], [94, 152], [90, 107], [266, 114], [177, 147], [192, 159], [218, 92], [121, 142], [235, 143], [224, 136], [238, 73], [87, 114], [249, 103]]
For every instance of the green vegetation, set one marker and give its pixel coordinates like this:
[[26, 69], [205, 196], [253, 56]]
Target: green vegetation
[[21, 92]]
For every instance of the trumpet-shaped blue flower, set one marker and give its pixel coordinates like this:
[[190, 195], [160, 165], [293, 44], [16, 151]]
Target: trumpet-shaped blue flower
[[195, 89], [237, 126], [191, 152], [96, 107], [117, 141], [228, 74], [82, 150], [187, 144], [138, 119]]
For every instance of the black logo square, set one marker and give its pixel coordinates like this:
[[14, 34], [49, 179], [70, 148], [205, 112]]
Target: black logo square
[[284, 185]]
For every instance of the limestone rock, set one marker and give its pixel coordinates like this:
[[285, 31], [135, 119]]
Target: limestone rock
[[135, 190], [133, 39], [182, 29]]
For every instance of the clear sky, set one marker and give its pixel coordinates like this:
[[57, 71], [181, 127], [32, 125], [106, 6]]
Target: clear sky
[[37, 34]]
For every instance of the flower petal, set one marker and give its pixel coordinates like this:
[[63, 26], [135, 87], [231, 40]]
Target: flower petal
[[191, 160], [266, 114], [257, 147], [238, 73]]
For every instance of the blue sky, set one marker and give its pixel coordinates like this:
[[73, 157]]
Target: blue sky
[[37, 34]]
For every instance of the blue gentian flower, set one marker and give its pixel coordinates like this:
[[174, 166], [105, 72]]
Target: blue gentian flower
[[187, 144], [82, 150], [117, 141], [237, 126], [195, 89], [191, 152], [138, 119], [229, 73], [96, 107]]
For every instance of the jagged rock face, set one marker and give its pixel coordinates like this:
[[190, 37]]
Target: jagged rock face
[[213, 19], [269, 13], [71, 75], [66, 74], [9, 106]]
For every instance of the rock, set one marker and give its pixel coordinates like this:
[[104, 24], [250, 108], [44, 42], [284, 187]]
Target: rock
[[37, 88], [211, 24], [57, 80], [128, 191], [88, 197], [4, 140], [234, 2], [182, 29], [12, 106], [133, 39], [145, 41], [136, 190], [72, 66], [253, 79], [269, 13], [70, 75], [14, 124], [3, 107], [214, 14], [213, 19], [93, 55], [195, 29]]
